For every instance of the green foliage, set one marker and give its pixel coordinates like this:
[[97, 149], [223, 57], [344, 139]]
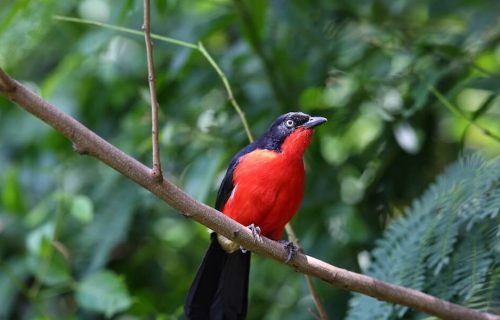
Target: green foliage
[[446, 244], [104, 292], [367, 66], [46, 263], [82, 209], [27, 20]]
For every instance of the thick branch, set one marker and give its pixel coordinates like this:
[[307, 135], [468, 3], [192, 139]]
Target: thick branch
[[157, 174], [90, 143]]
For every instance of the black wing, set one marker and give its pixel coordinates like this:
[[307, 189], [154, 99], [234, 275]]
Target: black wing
[[227, 184]]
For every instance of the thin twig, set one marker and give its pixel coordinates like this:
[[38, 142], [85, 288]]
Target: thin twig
[[229, 91], [455, 110], [199, 47], [157, 174], [482, 109], [213, 219], [126, 30], [310, 285]]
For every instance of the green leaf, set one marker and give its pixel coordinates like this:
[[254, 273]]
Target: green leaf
[[82, 209], [11, 194], [490, 83], [39, 213], [47, 263], [103, 292], [12, 272], [50, 268], [311, 98], [34, 241], [27, 20], [200, 174]]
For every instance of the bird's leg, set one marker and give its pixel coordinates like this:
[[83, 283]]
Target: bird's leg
[[255, 234], [291, 249]]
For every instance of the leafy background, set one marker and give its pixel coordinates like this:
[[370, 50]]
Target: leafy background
[[396, 79]]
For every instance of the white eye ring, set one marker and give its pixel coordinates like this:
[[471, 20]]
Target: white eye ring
[[289, 123]]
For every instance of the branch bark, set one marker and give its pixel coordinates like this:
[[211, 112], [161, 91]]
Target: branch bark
[[157, 174], [88, 142]]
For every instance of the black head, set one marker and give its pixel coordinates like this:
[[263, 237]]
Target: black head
[[285, 125]]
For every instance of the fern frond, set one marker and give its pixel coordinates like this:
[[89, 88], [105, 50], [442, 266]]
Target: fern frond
[[488, 297], [447, 244]]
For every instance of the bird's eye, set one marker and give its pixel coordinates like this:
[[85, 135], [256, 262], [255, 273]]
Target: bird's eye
[[289, 123]]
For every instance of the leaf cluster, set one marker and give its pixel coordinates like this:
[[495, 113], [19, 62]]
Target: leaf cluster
[[447, 244]]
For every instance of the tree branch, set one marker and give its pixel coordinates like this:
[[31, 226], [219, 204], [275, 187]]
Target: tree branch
[[87, 141], [157, 174]]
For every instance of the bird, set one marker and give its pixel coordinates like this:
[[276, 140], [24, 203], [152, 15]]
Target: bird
[[262, 189]]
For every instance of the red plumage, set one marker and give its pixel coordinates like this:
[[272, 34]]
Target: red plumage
[[263, 186], [268, 185]]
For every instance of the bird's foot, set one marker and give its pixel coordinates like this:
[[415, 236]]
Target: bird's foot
[[291, 249], [255, 234]]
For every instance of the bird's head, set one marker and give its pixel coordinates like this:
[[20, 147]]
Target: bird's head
[[291, 132]]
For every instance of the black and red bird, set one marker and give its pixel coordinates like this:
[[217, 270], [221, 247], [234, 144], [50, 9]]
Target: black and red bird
[[263, 187]]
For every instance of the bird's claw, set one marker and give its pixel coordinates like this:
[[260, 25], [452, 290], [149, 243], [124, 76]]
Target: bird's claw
[[255, 234], [291, 249]]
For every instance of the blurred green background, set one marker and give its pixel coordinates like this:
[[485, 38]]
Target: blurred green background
[[77, 240]]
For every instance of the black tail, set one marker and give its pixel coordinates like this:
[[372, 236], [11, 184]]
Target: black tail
[[220, 289]]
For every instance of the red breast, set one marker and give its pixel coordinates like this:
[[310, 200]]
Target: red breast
[[268, 185]]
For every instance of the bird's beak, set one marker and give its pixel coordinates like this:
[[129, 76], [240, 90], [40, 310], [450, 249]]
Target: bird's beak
[[313, 122]]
